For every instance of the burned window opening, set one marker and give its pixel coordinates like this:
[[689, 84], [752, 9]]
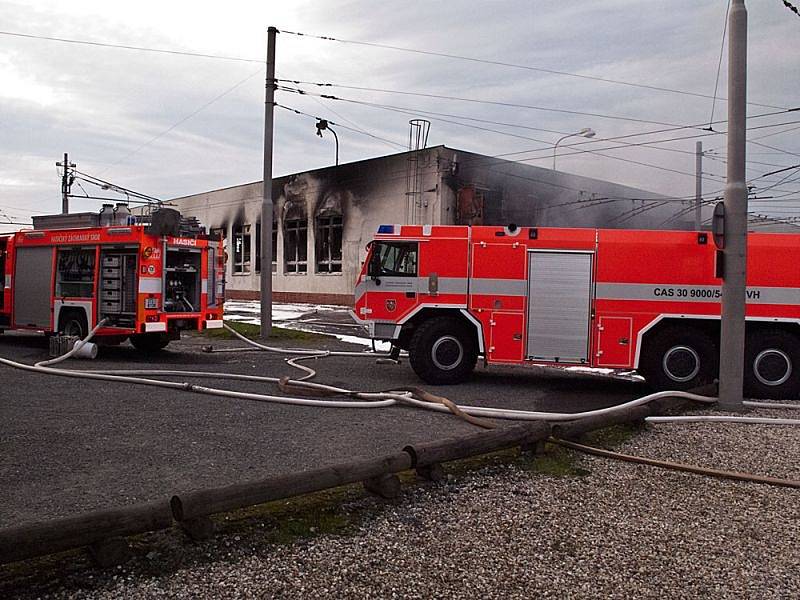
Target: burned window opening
[[241, 249], [295, 246], [329, 243]]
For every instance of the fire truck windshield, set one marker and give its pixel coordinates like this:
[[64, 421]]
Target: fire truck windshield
[[393, 259]]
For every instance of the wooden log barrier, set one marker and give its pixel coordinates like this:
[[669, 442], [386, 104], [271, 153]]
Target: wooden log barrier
[[57, 535], [433, 472], [478, 443], [202, 503], [386, 486], [571, 430]]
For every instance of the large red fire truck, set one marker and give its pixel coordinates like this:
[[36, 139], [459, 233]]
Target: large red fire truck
[[148, 286], [620, 299]]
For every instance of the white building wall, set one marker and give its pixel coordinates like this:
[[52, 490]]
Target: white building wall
[[369, 193]]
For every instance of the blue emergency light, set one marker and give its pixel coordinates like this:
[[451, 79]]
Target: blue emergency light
[[386, 229]]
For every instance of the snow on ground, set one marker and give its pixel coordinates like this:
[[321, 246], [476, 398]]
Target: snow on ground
[[291, 316], [280, 312], [296, 316]]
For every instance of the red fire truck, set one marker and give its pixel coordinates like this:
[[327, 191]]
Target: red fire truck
[[620, 299], [147, 285]]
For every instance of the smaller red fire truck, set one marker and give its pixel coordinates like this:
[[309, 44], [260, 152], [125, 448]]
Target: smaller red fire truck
[[620, 299], [149, 282]]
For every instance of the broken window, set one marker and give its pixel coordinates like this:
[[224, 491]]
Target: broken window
[[329, 244], [274, 247], [241, 249], [295, 245]]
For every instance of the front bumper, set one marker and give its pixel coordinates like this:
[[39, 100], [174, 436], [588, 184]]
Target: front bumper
[[378, 330]]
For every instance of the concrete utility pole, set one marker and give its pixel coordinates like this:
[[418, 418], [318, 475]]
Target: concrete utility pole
[[698, 186], [66, 183], [266, 201], [731, 366]]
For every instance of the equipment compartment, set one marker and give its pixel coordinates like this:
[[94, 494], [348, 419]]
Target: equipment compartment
[[182, 280], [118, 287]]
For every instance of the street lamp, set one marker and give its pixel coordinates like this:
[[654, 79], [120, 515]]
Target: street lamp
[[323, 124], [586, 132]]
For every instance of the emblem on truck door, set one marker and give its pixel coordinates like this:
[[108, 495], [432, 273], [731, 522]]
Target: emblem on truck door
[[391, 305]]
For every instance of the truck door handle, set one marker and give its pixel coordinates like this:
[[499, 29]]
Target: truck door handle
[[411, 295], [433, 284], [623, 341]]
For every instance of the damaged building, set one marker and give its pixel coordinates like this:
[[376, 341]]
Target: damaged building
[[324, 218]]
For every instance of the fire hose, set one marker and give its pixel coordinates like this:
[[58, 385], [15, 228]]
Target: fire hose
[[360, 399], [411, 396]]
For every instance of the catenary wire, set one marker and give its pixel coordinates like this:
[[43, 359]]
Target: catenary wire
[[511, 65], [719, 63], [181, 121], [128, 47]]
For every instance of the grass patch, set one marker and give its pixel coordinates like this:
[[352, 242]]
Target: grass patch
[[555, 461], [612, 437], [301, 517], [252, 331]]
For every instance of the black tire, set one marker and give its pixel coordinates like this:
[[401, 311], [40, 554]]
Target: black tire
[[443, 351], [679, 358], [148, 343], [73, 322], [772, 364]]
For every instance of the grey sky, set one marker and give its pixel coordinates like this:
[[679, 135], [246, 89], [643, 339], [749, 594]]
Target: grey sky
[[103, 105]]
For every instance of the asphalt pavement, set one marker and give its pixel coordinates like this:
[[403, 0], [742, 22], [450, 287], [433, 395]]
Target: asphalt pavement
[[72, 445]]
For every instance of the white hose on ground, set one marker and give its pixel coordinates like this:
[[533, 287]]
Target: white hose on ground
[[366, 399], [755, 404], [527, 415], [722, 419], [318, 353], [399, 397]]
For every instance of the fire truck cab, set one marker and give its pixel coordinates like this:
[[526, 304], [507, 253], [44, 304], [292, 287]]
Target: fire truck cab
[[619, 299], [148, 282]]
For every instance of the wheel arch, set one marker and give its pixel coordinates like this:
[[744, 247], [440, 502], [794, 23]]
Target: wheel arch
[[66, 311], [470, 323], [83, 309]]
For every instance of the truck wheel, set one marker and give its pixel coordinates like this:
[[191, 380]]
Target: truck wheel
[[679, 358], [149, 343], [73, 323], [772, 364], [441, 351]]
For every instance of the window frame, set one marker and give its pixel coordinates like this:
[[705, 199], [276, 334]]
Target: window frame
[[242, 260], [293, 229], [326, 226], [383, 272]]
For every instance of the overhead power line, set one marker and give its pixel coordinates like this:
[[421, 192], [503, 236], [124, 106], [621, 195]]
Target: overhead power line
[[375, 45], [474, 100], [113, 186], [356, 125], [127, 47], [361, 131], [672, 126], [515, 66], [719, 62], [791, 7], [181, 121], [546, 143]]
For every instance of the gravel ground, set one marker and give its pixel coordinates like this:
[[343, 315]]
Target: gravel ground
[[615, 530]]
